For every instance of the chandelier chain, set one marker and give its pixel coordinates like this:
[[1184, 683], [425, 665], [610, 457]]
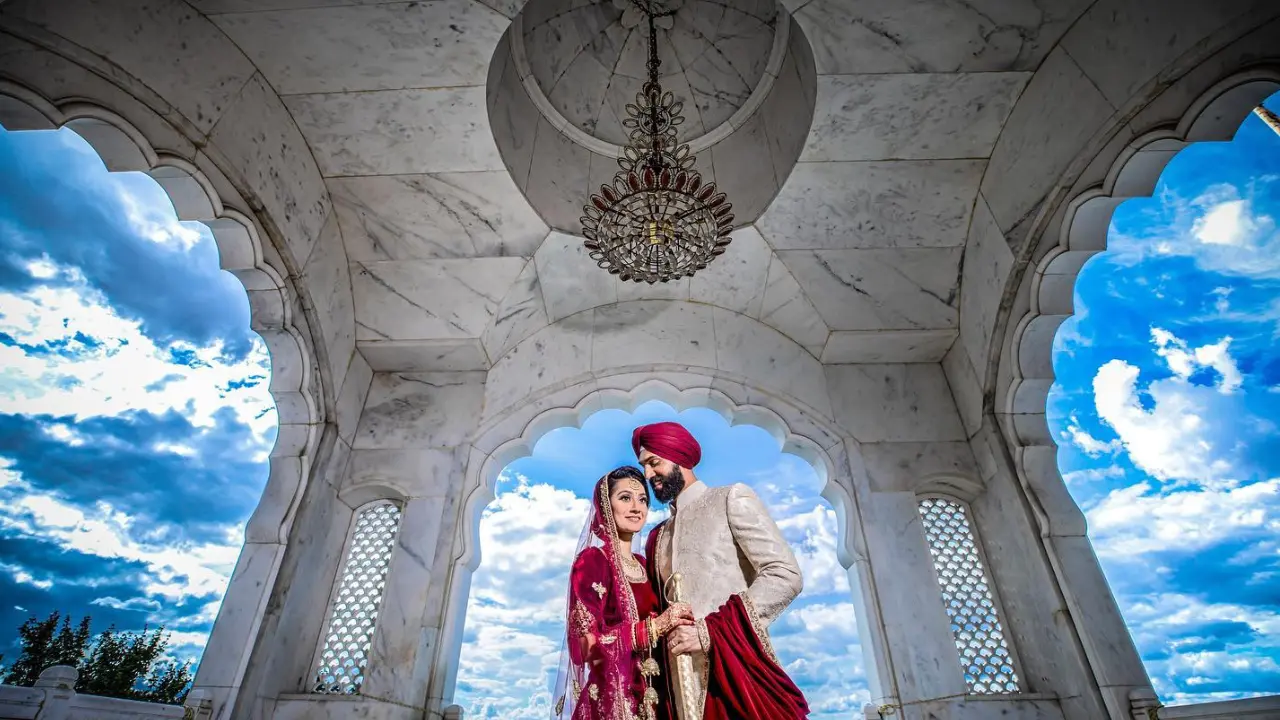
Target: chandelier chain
[[656, 222]]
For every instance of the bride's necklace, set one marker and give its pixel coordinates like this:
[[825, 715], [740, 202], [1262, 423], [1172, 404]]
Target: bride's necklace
[[632, 568]]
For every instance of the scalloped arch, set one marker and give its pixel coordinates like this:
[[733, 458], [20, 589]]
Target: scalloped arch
[[124, 148], [1215, 116], [483, 470]]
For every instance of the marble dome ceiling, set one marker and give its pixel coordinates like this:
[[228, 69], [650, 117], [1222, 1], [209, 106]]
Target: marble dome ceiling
[[589, 58], [371, 131]]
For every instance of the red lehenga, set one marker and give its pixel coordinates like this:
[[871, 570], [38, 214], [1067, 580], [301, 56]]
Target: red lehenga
[[608, 664]]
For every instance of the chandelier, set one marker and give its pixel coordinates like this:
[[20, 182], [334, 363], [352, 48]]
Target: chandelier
[[657, 221]]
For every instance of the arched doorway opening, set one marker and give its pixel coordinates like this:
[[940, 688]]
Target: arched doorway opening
[[514, 624], [1161, 408], [137, 407]]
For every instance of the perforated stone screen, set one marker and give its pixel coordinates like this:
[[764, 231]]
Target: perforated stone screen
[[984, 653], [345, 651]]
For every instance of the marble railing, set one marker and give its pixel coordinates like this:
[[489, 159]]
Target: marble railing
[[54, 696], [1259, 708]]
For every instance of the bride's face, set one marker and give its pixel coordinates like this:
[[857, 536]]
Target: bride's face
[[630, 504]]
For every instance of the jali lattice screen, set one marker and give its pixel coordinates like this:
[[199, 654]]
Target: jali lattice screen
[[975, 623], [344, 653]]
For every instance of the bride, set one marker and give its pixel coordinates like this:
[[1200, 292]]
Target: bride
[[607, 668]]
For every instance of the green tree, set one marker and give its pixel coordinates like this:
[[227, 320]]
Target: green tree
[[118, 664], [44, 645]]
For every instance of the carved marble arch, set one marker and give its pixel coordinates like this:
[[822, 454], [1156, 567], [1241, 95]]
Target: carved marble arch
[[203, 193], [968, 591], [515, 438], [1026, 374]]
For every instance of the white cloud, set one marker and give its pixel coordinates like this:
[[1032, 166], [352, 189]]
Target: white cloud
[[174, 572], [813, 536], [1177, 438], [23, 576], [1087, 443], [124, 372], [1227, 223], [1136, 520]]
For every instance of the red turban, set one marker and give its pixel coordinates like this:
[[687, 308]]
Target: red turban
[[669, 441]]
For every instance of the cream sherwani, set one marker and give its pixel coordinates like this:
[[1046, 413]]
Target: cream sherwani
[[722, 541]]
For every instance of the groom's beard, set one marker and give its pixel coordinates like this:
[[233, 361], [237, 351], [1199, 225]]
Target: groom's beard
[[672, 484]]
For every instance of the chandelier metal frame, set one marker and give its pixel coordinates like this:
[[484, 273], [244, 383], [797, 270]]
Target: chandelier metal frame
[[657, 221]]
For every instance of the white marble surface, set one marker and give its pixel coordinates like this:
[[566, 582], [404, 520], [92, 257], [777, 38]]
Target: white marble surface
[[442, 43], [513, 118], [652, 332], [558, 178], [873, 205], [448, 355], [396, 640], [787, 113], [884, 36], [571, 281], [351, 397], [419, 410], [898, 403], [423, 217], [757, 352], [327, 278], [398, 132], [167, 46], [521, 313], [426, 299], [546, 358], [736, 280], [901, 289], [742, 162], [905, 466], [1057, 113], [786, 306], [966, 386], [412, 472], [258, 140], [910, 116], [1122, 44], [925, 661], [886, 346], [987, 264]]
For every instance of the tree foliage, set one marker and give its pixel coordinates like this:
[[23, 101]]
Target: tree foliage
[[122, 664]]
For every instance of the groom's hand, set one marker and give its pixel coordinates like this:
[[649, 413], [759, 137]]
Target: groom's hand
[[684, 640]]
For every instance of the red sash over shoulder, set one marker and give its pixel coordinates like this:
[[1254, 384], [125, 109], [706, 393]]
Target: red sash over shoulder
[[744, 682]]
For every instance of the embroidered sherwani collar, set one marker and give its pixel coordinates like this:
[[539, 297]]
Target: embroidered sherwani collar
[[688, 496]]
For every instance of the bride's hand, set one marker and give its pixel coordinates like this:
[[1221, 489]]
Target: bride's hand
[[678, 615]]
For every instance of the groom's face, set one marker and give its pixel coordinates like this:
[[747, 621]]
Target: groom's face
[[664, 476]]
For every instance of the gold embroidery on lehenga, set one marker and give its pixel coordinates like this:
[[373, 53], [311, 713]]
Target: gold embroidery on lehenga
[[600, 589], [560, 705], [609, 639], [580, 620], [593, 691]]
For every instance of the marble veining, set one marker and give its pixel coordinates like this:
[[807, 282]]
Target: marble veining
[[895, 402], [398, 132], [880, 289], [422, 299], [447, 215], [887, 346], [441, 43], [910, 116], [571, 281], [419, 410], [987, 264], [786, 306], [521, 313], [886, 36], [902, 204]]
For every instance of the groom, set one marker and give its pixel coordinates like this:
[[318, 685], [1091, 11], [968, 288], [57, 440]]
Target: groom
[[738, 573]]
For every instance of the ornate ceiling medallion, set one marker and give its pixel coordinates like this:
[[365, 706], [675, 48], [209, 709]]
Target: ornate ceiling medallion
[[657, 221]]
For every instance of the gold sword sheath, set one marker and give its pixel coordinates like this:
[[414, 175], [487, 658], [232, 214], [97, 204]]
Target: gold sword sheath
[[684, 680]]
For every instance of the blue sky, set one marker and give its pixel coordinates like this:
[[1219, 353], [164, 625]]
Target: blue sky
[[135, 424], [135, 419], [1166, 411]]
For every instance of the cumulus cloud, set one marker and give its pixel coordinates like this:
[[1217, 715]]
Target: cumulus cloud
[[120, 232], [1170, 433], [1140, 519]]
